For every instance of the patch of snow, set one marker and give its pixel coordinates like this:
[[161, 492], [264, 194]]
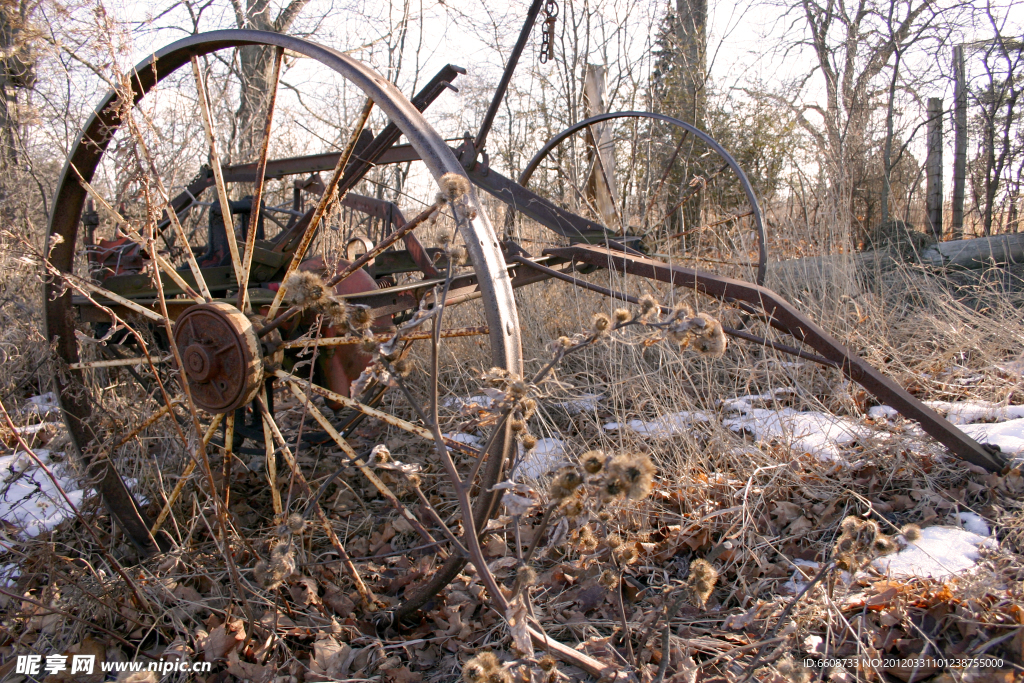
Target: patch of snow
[[462, 437], [663, 427], [819, 434], [968, 412], [545, 456], [1013, 367], [584, 403], [9, 573], [744, 404], [484, 399], [35, 429], [883, 412], [43, 404], [974, 523], [799, 580], [939, 553], [28, 497], [1009, 436]]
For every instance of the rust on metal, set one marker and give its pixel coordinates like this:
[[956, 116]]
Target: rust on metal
[[221, 354]]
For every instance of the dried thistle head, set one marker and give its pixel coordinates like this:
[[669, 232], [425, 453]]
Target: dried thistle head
[[850, 525], [649, 307], [626, 553], [526, 576], [517, 388], [547, 663], [584, 540], [303, 289], [911, 532], [621, 316], [612, 488], [296, 523], [634, 472], [444, 237], [359, 317], [380, 454], [479, 668], [792, 671], [608, 579], [600, 324], [593, 461], [884, 545], [516, 425], [527, 407], [335, 312], [711, 341], [613, 541], [702, 580], [458, 255], [566, 481], [529, 442], [572, 506], [402, 367], [454, 186], [368, 344]]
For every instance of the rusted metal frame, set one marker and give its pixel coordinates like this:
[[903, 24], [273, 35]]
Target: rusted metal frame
[[89, 149], [257, 195], [331, 194], [349, 269], [785, 316], [622, 296], [506, 78]]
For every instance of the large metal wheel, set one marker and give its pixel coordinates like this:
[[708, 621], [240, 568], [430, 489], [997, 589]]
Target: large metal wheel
[[177, 340]]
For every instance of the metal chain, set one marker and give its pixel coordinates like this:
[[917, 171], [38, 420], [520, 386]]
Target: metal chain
[[547, 39]]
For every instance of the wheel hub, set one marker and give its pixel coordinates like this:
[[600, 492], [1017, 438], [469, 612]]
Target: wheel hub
[[221, 355]]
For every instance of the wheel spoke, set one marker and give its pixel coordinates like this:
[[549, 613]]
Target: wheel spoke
[[364, 592], [327, 199], [163, 410], [118, 362], [378, 414], [257, 195], [271, 466], [358, 462], [218, 173], [180, 485]]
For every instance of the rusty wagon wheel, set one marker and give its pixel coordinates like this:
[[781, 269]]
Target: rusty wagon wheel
[[158, 349], [655, 183]]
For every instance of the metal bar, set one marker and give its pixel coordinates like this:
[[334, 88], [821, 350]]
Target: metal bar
[[117, 362], [622, 296], [784, 315], [506, 78], [257, 195]]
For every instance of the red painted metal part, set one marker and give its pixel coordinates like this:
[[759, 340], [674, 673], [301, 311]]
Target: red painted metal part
[[783, 316]]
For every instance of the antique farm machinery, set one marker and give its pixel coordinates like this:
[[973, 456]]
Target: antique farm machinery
[[151, 326]]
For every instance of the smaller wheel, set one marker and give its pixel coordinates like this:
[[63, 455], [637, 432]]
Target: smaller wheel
[[221, 356], [656, 183]]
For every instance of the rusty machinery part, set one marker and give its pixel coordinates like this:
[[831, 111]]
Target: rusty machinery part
[[67, 310], [221, 354], [685, 164]]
